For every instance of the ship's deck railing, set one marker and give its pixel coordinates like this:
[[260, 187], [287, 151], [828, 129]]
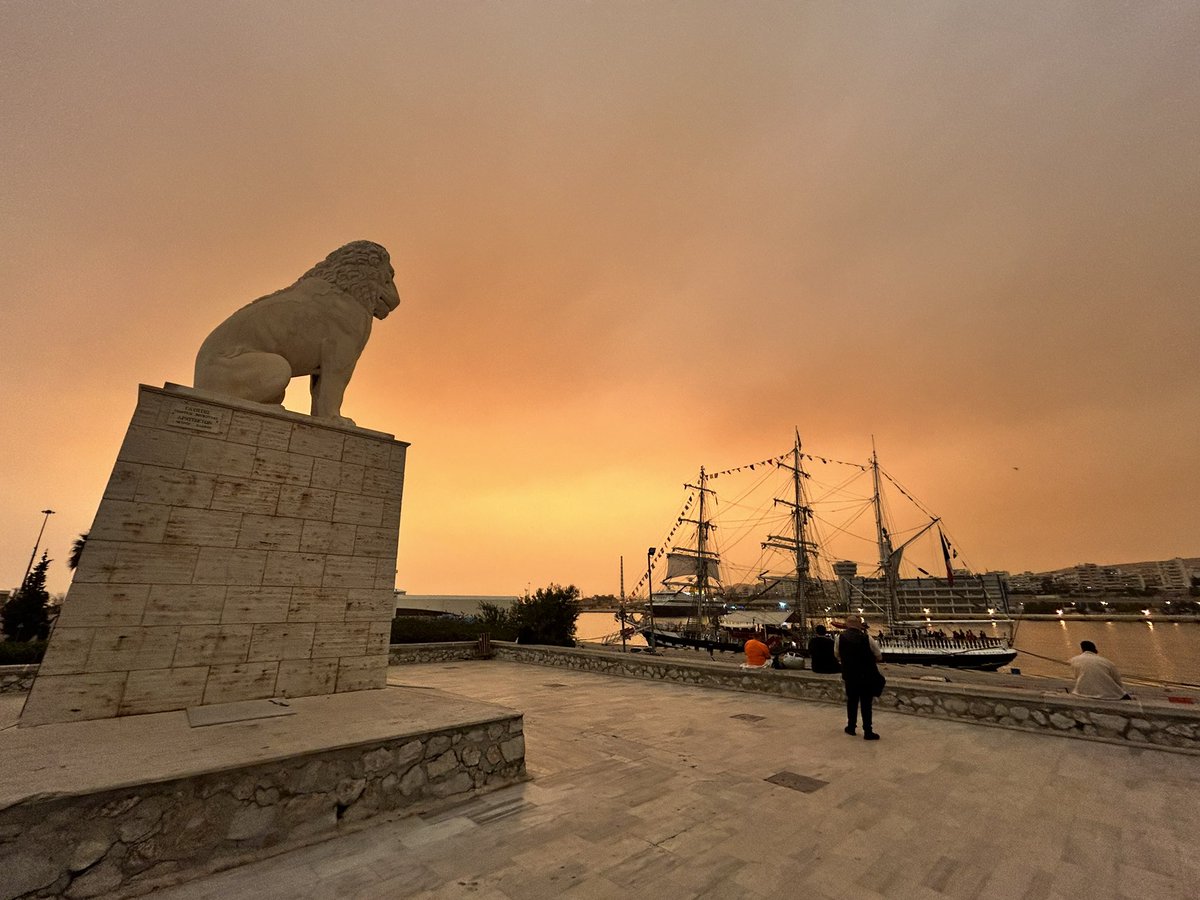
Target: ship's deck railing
[[939, 643]]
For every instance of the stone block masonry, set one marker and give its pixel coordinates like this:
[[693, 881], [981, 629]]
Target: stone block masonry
[[128, 840], [239, 552], [16, 679]]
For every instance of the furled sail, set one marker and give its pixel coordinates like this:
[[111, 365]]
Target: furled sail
[[682, 566], [893, 562]]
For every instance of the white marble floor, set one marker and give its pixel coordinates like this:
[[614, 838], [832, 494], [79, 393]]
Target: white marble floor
[[659, 790]]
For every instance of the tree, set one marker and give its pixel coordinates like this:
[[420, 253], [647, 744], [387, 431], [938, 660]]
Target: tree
[[548, 617], [77, 551], [495, 616], [24, 616]]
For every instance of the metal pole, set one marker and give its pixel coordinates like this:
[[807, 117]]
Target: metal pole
[[650, 591], [622, 617], [47, 513]]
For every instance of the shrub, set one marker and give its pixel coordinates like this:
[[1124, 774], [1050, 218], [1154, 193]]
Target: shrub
[[21, 653], [548, 617], [429, 629]]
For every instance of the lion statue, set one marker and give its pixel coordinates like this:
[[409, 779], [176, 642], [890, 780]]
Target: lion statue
[[317, 327]]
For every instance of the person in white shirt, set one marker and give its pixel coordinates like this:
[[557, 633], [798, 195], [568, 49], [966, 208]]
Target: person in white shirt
[[1095, 676]]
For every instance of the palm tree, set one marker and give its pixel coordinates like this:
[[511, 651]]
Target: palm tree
[[77, 551]]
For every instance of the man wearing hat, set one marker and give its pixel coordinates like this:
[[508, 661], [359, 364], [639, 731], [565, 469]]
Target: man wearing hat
[[859, 655]]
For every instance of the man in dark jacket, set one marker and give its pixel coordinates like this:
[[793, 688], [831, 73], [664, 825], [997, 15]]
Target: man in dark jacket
[[859, 655], [820, 652]]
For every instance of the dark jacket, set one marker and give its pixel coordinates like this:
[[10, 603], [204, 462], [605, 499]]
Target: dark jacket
[[820, 654], [858, 662]]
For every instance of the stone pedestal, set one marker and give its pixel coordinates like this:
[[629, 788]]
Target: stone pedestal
[[240, 552], [119, 807]]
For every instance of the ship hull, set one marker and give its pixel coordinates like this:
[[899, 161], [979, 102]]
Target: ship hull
[[661, 638], [987, 659]]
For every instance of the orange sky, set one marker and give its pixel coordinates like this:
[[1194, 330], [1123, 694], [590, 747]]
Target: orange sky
[[630, 239]]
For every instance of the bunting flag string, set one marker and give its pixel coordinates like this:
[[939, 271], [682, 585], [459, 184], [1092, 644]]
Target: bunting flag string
[[781, 458], [662, 550], [772, 461], [836, 462]]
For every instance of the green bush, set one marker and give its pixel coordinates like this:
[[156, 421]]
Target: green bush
[[548, 617], [21, 653]]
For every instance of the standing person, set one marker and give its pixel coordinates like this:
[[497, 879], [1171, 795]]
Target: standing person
[[859, 654], [1095, 676], [820, 652]]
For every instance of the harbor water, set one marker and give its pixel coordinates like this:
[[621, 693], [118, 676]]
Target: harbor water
[[1158, 651]]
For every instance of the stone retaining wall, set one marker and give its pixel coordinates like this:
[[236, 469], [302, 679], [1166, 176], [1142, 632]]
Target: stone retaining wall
[[1159, 725], [130, 841], [16, 679], [405, 654]]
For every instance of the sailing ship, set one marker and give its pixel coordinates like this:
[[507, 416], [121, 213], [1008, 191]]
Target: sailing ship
[[714, 621]]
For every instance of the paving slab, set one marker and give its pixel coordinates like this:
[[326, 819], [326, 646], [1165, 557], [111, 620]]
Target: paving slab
[[660, 790], [106, 754]]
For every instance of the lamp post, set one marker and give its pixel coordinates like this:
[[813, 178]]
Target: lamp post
[[46, 513], [650, 592], [621, 615]]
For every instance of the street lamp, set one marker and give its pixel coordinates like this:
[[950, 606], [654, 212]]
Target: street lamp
[[46, 513]]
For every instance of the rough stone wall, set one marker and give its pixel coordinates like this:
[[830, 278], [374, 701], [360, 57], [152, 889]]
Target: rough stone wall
[[406, 654], [1122, 722], [238, 553], [16, 679], [126, 842]]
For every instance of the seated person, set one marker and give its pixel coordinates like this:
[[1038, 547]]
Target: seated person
[[820, 652], [775, 645], [1095, 676], [758, 654]]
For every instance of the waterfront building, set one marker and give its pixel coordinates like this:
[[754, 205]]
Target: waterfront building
[[1168, 574], [1025, 583], [446, 604], [969, 594], [1091, 577]]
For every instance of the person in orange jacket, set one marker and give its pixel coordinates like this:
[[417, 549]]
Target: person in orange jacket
[[757, 653]]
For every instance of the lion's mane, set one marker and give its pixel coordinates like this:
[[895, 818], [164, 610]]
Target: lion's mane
[[358, 268]]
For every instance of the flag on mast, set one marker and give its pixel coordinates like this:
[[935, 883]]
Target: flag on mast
[[946, 556]]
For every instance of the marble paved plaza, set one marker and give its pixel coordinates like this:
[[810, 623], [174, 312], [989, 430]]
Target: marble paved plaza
[[641, 789]]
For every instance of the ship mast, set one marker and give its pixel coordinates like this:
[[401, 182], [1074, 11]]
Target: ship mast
[[886, 564], [889, 556], [798, 544], [702, 553]]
